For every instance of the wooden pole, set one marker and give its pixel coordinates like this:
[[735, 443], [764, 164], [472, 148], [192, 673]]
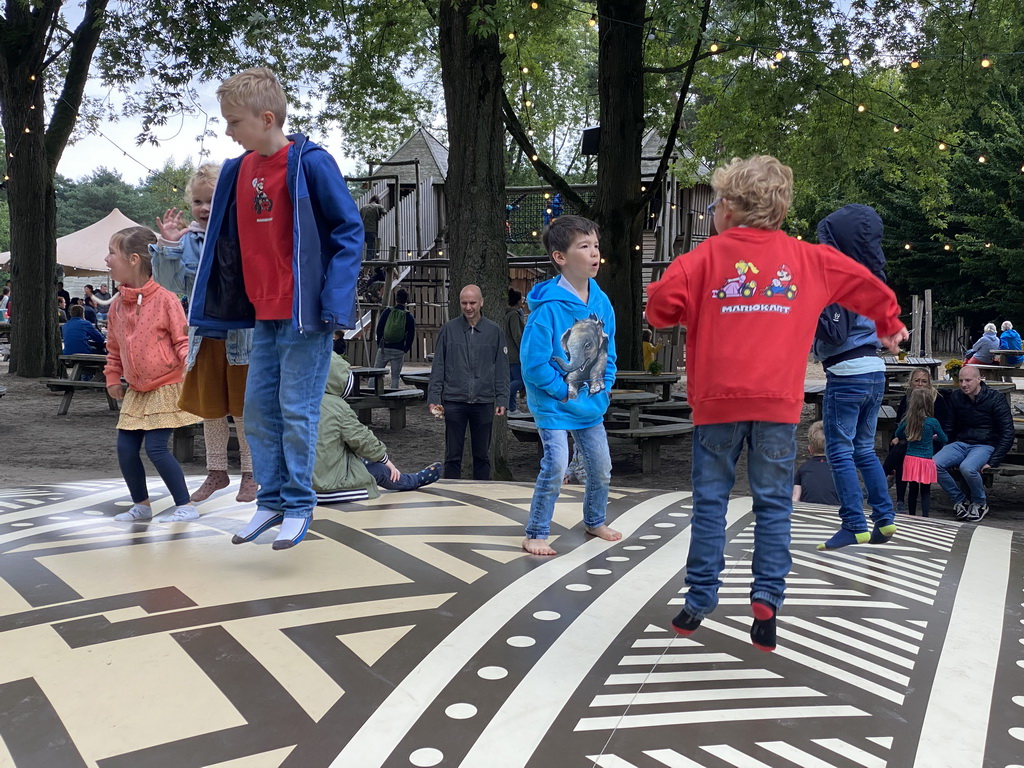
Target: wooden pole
[[915, 339], [419, 233], [928, 322]]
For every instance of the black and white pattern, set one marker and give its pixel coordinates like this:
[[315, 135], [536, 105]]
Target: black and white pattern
[[411, 630]]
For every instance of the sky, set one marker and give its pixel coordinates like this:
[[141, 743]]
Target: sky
[[116, 148]]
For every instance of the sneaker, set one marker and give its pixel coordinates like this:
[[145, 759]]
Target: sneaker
[[685, 624], [901, 506], [961, 508], [977, 512]]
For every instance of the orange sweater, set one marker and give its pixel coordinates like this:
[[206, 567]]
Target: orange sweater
[[750, 299], [146, 338]]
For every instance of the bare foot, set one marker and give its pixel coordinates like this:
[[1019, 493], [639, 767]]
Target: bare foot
[[604, 532], [538, 547]]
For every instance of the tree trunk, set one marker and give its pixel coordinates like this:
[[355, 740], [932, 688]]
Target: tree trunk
[[473, 86], [618, 206], [30, 196]]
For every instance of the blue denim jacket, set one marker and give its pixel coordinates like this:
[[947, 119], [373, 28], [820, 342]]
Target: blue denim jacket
[[174, 267]]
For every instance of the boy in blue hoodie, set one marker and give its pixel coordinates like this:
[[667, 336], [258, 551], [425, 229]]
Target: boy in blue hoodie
[[568, 360], [283, 250]]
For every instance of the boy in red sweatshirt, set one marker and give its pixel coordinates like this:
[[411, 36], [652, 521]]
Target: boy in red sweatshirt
[[714, 290]]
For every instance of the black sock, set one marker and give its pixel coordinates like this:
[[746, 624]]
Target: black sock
[[926, 499], [762, 631], [912, 498], [901, 487]]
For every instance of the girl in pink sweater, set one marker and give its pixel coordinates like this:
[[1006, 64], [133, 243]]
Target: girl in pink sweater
[[146, 346]]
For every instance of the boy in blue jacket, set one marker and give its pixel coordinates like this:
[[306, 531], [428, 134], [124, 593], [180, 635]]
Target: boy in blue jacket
[[282, 253], [568, 360]]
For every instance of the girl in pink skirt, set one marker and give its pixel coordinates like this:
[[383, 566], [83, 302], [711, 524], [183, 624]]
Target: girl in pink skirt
[[920, 429]]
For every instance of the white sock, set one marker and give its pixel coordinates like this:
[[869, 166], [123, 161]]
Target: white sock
[[293, 529], [137, 512], [181, 514], [258, 521]]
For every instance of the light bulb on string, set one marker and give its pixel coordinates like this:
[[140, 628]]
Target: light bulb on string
[[511, 35], [27, 129], [780, 55], [799, 237], [988, 245], [636, 247], [534, 233], [773, 65], [942, 146], [861, 108], [982, 159], [547, 195], [914, 63], [528, 103], [530, 132], [986, 62], [947, 247], [535, 6], [525, 70], [533, 158], [846, 61], [593, 20], [896, 128], [714, 47], [32, 78], [906, 246]]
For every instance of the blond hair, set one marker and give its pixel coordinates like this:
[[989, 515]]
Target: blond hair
[[136, 240], [816, 439], [920, 406], [205, 174], [759, 190], [255, 89]]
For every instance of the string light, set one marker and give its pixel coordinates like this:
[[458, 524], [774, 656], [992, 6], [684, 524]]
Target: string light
[[947, 247], [780, 55], [846, 61], [914, 63], [593, 20], [636, 247], [982, 159], [713, 48], [530, 132], [799, 237], [32, 78], [988, 245], [528, 103], [986, 62], [906, 246], [511, 35], [942, 146], [896, 128], [861, 108], [533, 158], [526, 70], [27, 130], [535, 6]]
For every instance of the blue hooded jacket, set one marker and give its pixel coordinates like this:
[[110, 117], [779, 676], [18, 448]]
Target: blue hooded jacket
[[855, 230], [1010, 339], [568, 351], [327, 238]]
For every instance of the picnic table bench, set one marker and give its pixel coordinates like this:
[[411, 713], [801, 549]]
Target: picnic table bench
[[645, 380], [650, 438], [82, 366], [420, 380], [395, 400], [998, 373]]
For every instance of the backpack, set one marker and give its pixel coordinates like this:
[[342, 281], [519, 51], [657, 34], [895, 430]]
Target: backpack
[[394, 327]]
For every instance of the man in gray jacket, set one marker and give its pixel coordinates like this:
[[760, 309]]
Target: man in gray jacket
[[469, 384]]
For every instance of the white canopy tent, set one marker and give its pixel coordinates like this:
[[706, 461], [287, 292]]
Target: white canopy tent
[[83, 252]]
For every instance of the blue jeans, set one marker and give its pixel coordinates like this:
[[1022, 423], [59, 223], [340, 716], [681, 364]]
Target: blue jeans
[[850, 419], [287, 375], [380, 472], [129, 443], [386, 356], [515, 378], [970, 459], [593, 445], [771, 450]]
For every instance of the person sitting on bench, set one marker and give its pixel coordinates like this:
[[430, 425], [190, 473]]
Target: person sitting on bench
[[80, 336], [350, 461]]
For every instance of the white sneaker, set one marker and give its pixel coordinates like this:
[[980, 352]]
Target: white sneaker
[[977, 512], [962, 509]]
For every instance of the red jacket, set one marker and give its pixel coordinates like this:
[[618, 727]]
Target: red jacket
[[146, 338], [750, 299]]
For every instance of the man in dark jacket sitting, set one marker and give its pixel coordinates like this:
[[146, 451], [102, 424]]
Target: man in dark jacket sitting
[[981, 432]]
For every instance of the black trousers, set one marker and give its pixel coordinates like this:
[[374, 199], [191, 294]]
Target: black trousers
[[479, 417]]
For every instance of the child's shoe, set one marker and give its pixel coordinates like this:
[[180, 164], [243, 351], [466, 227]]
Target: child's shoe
[[137, 512], [762, 631], [247, 488], [215, 480], [685, 624], [429, 474]]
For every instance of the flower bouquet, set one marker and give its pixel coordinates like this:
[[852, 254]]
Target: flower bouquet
[[953, 368]]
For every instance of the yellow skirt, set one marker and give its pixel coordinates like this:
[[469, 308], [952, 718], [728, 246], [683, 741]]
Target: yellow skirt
[[154, 410], [213, 388]]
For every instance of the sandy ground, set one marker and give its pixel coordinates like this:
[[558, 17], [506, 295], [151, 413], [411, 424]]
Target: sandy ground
[[37, 446]]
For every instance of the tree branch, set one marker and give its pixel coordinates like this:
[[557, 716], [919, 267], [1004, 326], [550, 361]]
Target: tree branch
[[545, 171], [65, 108], [684, 65], [670, 140]]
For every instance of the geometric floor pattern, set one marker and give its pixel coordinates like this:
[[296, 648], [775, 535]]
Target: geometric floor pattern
[[410, 630]]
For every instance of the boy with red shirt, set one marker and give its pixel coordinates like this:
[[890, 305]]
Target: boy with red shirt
[[771, 332], [282, 252]]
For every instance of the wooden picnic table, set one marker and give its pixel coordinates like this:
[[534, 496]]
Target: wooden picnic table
[[931, 363], [368, 381], [86, 372], [644, 380], [633, 400], [998, 373]]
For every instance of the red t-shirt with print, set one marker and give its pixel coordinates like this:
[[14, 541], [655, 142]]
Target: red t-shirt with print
[[265, 216]]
